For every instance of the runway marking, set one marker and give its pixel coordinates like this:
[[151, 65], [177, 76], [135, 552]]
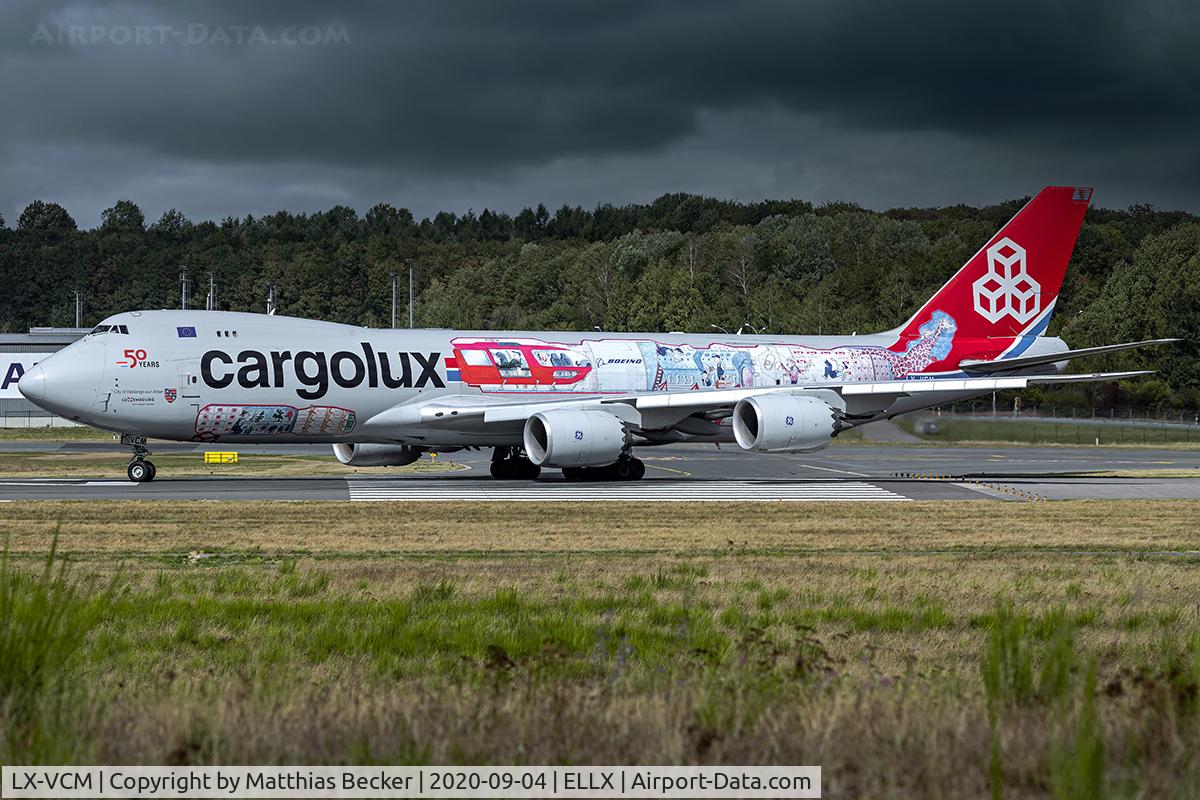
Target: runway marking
[[838, 471], [984, 490], [432, 490], [668, 469]]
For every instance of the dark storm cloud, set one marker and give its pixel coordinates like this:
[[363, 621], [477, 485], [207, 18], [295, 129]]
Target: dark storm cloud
[[442, 94]]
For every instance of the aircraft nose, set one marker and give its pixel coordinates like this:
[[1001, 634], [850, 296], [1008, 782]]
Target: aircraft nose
[[33, 383], [66, 382]]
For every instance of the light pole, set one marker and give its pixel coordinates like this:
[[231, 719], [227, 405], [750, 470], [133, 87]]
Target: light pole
[[393, 299], [410, 296]]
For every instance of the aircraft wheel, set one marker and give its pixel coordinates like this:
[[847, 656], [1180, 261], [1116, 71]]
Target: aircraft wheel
[[608, 473], [511, 469], [639, 469], [627, 469], [153, 470], [140, 471], [572, 473]]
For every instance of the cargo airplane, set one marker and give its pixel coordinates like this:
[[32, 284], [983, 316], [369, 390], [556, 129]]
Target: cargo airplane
[[579, 402]]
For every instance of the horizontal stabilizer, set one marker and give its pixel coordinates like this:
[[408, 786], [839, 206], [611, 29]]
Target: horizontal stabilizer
[[1089, 377], [1009, 364]]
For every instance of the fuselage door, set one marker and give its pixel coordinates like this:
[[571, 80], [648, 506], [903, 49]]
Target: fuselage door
[[189, 380]]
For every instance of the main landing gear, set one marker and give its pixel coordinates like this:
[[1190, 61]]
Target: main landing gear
[[627, 468], [140, 470], [510, 464]]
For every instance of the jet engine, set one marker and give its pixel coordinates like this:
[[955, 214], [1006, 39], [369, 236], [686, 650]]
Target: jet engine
[[572, 437], [776, 423], [376, 455]]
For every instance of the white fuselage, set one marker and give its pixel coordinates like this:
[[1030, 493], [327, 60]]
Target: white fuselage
[[227, 376]]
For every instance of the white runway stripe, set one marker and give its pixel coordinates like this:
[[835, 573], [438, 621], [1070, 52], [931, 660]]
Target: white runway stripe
[[650, 491]]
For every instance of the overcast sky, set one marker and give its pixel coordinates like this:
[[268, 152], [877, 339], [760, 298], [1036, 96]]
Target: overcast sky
[[230, 108]]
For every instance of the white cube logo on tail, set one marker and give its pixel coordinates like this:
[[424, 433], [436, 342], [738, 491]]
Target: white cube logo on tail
[[1007, 289]]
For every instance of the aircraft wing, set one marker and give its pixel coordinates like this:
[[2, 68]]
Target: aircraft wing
[[975, 367], [481, 412], [950, 386]]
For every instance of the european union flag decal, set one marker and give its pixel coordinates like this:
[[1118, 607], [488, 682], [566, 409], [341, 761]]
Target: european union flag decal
[[186, 333]]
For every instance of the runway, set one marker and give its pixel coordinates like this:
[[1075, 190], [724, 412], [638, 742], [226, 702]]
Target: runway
[[642, 491], [709, 462], [844, 473]]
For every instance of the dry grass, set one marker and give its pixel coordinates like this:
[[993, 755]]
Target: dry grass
[[454, 528], [637, 633], [879, 741], [1164, 472]]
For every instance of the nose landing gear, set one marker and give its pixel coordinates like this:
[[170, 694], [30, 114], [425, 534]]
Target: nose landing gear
[[140, 470]]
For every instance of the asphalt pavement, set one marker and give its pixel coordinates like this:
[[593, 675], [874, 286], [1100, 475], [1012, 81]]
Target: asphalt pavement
[[694, 473]]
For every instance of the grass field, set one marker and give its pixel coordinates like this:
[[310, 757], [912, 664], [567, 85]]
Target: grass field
[[1149, 472], [984, 430], [928, 650], [112, 465]]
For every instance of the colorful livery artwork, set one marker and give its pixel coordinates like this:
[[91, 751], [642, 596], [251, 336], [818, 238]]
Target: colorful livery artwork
[[639, 365], [214, 421], [524, 363]]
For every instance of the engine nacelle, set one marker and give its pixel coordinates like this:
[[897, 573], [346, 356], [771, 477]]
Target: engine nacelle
[[572, 437], [776, 423], [376, 455]]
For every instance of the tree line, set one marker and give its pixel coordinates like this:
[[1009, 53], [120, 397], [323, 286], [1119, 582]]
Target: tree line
[[680, 263]]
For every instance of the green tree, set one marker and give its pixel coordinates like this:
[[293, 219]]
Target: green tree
[[124, 216], [682, 262], [40, 216], [172, 223], [1156, 294]]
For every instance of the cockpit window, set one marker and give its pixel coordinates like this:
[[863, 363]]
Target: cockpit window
[[100, 329], [109, 329]]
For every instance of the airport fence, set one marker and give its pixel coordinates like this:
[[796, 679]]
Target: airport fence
[[34, 419]]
